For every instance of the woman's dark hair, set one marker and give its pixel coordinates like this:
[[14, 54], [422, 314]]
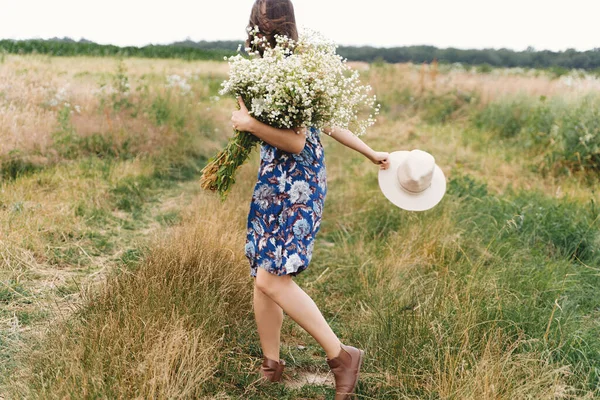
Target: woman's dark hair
[[273, 17]]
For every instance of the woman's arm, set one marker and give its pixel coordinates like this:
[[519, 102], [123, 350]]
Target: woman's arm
[[349, 139], [289, 140]]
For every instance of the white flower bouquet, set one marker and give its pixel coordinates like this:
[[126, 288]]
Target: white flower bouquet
[[294, 85]]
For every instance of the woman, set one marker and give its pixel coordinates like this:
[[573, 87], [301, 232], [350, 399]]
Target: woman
[[285, 216]]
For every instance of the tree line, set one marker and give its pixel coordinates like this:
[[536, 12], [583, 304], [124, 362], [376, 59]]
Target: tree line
[[216, 50], [529, 58], [85, 48]]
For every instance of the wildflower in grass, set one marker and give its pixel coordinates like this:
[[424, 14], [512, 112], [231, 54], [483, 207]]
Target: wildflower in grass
[[176, 81], [60, 97]]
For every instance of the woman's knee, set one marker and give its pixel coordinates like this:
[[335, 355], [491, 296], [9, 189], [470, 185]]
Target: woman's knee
[[270, 284]]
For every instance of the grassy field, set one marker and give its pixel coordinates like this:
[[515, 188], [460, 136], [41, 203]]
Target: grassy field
[[120, 278]]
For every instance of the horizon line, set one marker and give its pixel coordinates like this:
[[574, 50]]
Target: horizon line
[[528, 48]]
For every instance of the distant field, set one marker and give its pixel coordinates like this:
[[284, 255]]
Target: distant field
[[121, 278]]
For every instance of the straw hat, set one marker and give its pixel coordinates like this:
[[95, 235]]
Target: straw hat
[[413, 181]]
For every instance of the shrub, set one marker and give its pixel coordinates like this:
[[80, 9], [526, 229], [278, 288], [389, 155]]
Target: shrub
[[64, 139], [506, 118], [160, 110], [579, 133], [484, 68], [441, 108], [540, 123], [120, 97], [14, 166], [564, 134], [556, 71]]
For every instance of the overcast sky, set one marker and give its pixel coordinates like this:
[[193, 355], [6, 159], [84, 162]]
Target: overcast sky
[[514, 24]]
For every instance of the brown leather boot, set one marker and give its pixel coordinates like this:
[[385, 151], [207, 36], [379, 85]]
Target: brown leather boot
[[346, 368], [272, 370]]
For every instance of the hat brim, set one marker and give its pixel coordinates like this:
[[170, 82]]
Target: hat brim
[[391, 188]]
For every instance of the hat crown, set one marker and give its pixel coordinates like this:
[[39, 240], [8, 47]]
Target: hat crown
[[415, 172]]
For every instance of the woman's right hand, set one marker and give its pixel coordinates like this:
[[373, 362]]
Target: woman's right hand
[[241, 120]]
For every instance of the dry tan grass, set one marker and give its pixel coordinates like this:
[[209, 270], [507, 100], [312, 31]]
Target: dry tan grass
[[501, 374], [38, 227], [45, 204], [488, 86], [34, 88], [196, 267], [38, 213]]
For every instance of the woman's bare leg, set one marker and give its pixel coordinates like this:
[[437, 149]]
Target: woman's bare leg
[[300, 307], [269, 317]]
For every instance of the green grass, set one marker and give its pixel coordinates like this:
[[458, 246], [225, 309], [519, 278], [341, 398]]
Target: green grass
[[169, 218], [12, 291], [566, 135], [496, 284], [13, 167]]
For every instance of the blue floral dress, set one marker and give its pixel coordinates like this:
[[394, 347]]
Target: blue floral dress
[[286, 209]]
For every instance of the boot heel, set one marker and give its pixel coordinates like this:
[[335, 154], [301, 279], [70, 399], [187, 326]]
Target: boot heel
[[360, 360], [272, 370]]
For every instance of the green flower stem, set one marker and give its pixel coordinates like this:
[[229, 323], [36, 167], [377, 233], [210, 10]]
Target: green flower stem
[[219, 174]]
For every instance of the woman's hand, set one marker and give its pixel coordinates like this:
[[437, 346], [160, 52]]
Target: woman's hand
[[381, 158], [290, 140], [241, 120]]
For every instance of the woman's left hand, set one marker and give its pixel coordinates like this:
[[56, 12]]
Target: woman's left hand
[[381, 158], [241, 120]]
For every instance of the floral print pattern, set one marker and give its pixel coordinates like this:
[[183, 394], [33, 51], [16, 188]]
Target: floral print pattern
[[286, 208]]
